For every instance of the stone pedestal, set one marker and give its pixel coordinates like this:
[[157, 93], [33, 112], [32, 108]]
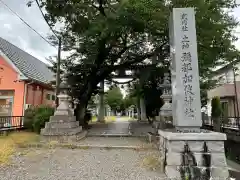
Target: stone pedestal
[[193, 156], [63, 125]]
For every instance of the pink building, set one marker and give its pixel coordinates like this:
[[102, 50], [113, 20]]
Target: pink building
[[24, 81]]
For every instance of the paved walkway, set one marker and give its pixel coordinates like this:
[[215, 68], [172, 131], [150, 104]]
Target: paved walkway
[[120, 128], [133, 128], [234, 169], [86, 164]]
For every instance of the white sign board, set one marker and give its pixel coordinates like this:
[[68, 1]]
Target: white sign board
[[185, 75]]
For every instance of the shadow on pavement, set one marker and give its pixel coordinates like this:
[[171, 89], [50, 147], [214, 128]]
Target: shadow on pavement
[[234, 174]]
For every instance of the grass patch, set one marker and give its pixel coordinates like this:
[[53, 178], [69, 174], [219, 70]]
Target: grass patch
[[10, 143], [151, 162], [84, 147]]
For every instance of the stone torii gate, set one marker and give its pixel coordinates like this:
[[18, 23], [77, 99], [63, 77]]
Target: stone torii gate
[[121, 74]]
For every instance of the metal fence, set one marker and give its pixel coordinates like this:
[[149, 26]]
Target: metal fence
[[11, 122], [226, 122]]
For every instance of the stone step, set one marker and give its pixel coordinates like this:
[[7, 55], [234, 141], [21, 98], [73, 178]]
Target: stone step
[[62, 118], [61, 131], [63, 138], [60, 125]]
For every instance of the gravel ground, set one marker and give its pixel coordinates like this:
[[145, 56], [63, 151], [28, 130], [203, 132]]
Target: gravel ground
[[79, 164], [115, 141]]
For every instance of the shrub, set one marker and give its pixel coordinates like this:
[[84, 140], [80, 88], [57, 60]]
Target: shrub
[[36, 117], [88, 116], [29, 118]]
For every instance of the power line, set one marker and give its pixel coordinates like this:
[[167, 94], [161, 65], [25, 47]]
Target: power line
[[26, 23], [58, 57], [46, 19]]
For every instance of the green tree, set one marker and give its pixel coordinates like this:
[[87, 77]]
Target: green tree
[[150, 89], [216, 113], [114, 98], [129, 101], [104, 36]]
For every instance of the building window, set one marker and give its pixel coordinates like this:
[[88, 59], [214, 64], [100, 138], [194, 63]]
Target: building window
[[53, 97], [224, 105], [48, 96]]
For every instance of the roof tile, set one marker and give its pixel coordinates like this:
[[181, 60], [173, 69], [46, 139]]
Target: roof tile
[[30, 66]]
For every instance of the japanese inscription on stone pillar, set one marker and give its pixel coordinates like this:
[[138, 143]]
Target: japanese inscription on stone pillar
[[184, 49]]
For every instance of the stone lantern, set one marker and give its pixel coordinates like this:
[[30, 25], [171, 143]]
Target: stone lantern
[[75, 102], [63, 125], [166, 109], [64, 99], [131, 111], [165, 113]]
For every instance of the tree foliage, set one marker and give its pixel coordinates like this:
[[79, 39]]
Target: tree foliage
[[129, 101], [105, 35], [114, 98], [149, 88]]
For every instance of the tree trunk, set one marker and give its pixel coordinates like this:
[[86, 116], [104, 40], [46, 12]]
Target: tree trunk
[[217, 124], [81, 110], [82, 106]]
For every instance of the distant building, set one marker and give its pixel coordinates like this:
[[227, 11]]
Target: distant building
[[225, 90], [24, 81]]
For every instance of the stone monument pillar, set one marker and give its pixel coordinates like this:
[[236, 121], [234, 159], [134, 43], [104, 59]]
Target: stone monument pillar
[[101, 110], [189, 152], [63, 125]]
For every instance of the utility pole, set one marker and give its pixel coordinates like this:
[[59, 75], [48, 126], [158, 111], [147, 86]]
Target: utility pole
[[58, 70], [236, 96]]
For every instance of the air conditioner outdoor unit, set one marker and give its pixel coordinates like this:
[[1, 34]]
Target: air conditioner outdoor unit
[[27, 106]]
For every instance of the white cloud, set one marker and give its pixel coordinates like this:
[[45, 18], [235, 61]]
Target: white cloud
[[19, 34], [236, 14], [7, 26], [16, 32]]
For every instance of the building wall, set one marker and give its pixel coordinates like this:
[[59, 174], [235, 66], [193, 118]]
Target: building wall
[[11, 86], [37, 95], [49, 97], [231, 108], [227, 76], [9, 81], [226, 92]]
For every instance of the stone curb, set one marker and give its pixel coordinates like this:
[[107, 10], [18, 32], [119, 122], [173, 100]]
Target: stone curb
[[114, 135], [72, 146]]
